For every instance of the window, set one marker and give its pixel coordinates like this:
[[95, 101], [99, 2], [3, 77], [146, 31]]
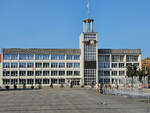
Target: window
[[61, 81], [6, 73], [45, 65], [121, 73], [14, 81], [38, 65], [30, 73], [6, 57], [100, 73], [54, 65], [100, 65], [61, 57], [22, 81], [14, 65], [54, 81], [114, 65], [6, 81], [53, 57], [121, 65], [61, 65], [45, 81], [22, 73], [69, 73], [30, 81], [10, 57], [69, 57], [106, 73], [77, 73], [14, 73], [117, 58], [30, 57], [38, 73], [14, 57], [22, 65], [6, 65], [45, 57], [114, 73], [76, 65], [38, 81], [30, 65], [61, 73], [106, 65], [45, 73], [132, 58], [57, 57], [39, 57], [103, 58], [53, 73], [69, 65], [76, 57], [22, 57]]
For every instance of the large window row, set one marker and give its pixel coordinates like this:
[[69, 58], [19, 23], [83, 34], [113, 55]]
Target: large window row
[[117, 58], [39, 57], [118, 65], [104, 58], [102, 73], [118, 73], [41, 65], [132, 58], [41, 73], [74, 81], [103, 65]]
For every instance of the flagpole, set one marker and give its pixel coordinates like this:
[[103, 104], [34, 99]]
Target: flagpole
[[88, 6]]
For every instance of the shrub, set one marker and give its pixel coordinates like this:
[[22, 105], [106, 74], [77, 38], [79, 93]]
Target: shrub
[[24, 86], [51, 86], [39, 86], [61, 86], [7, 87], [15, 86], [32, 87]]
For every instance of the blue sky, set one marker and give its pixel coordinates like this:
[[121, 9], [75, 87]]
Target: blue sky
[[58, 23]]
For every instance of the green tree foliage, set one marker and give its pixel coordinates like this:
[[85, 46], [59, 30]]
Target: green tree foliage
[[140, 74], [132, 71]]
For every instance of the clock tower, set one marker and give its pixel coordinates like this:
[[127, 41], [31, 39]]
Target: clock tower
[[89, 53]]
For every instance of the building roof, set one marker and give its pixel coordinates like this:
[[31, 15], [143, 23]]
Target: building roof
[[119, 51], [66, 51], [40, 51]]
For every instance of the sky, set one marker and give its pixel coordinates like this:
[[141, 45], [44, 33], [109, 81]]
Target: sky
[[121, 24]]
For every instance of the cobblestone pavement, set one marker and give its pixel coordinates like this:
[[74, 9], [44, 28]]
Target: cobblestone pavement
[[68, 101]]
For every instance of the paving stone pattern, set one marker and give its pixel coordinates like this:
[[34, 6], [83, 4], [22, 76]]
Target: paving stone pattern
[[68, 101]]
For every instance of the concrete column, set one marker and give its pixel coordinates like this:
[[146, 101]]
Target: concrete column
[[91, 26]]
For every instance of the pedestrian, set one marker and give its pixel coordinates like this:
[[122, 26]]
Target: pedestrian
[[101, 88]]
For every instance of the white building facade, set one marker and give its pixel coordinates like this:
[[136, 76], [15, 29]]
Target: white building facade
[[84, 66]]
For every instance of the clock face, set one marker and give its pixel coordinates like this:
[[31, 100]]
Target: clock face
[[92, 42]]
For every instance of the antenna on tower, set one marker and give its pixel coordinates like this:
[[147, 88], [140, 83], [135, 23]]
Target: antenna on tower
[[88, 7]]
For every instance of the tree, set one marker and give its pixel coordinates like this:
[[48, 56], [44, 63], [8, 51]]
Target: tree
[[132, 71], [140, 74]]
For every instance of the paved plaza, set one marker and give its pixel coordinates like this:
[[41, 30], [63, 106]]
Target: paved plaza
[[68, 101]]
